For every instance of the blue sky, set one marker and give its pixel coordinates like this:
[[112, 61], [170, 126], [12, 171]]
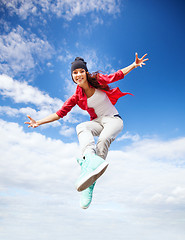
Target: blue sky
[[37, 45]]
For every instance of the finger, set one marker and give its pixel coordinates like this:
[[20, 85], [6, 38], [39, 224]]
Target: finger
[[145, 60], [32, 126], [26, 122], [29, 117], [144, 56]]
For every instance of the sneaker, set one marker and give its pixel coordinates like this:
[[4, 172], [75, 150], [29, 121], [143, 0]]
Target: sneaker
[[92, 167], [86, 196]]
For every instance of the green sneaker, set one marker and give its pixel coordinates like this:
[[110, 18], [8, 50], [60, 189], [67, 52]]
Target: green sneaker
[[92, 167], [86, 196]]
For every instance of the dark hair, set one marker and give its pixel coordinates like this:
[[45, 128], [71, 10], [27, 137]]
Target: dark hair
[[92, 79]]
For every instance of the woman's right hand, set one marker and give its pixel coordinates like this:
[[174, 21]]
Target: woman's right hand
[[32, 122]]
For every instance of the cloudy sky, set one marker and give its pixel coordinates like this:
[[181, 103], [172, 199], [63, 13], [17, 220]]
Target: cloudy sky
[[142, 194]]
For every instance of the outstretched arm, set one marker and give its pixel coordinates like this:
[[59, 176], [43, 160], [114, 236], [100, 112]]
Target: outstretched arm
[[137, 63], [51, 118]]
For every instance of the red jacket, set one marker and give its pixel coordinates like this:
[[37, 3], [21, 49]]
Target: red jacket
[[80, 98]]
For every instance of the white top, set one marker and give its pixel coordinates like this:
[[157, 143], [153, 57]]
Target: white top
[[101, 104]]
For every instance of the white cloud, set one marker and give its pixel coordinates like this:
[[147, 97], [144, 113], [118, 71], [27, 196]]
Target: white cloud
[[66, 56], [142, 176], [61, 8], [72, 8], [17, 112], [177, 196], [34, 160], [67, 131], [23, 8], [152, 173], [129, 136], [22, 92], [21, 51], [9, 111], [37, 185], [171, 150]]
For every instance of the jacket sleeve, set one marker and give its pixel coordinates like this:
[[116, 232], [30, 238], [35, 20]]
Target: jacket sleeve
[[67, 106], [107, 79]]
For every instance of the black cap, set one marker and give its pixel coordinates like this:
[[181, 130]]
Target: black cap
[[78, 63]]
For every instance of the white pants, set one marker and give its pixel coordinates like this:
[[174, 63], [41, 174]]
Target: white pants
[[107, 128]]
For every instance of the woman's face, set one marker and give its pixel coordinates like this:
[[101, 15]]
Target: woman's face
[[79, 76]]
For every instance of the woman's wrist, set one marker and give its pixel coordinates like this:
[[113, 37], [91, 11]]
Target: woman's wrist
[[38, 123], [134, 65]]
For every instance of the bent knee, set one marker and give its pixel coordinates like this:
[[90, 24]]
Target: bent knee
[[81, 127]]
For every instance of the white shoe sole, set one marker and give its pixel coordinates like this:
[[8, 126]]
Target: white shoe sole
[[84, 207], [92, 177]]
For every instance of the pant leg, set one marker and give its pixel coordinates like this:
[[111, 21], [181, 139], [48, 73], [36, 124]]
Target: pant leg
[[112, 126], [86, 132]]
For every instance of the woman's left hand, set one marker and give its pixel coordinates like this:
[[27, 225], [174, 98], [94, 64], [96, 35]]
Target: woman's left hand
[[139, 62]]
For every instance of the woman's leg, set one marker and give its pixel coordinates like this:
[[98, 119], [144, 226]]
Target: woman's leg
[[112, 126], [86, 132], [108, 128], [92, 166]]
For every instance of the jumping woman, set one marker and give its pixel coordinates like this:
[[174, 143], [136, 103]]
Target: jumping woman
[[93, 95]]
